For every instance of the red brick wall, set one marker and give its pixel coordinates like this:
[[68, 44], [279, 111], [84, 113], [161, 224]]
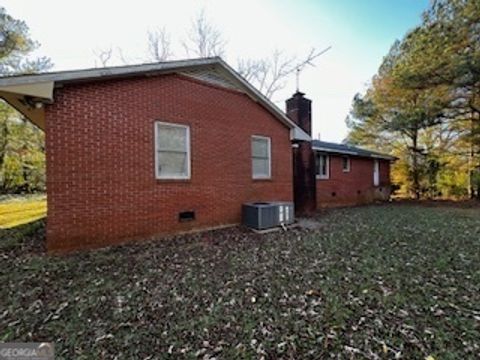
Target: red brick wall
[[100, 159], [354, 187]]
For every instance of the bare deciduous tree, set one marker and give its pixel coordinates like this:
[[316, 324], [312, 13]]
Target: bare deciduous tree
[[103, 56], [269, 75], [204, 39], [159, 45], [124, 59]]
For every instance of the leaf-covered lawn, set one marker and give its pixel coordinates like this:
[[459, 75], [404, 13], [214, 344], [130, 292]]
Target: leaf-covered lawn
[[19, 211], [393, 281]]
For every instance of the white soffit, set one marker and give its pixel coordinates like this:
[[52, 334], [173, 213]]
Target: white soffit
[[28, 99], [213, 76], [298, 134], [41, 90]]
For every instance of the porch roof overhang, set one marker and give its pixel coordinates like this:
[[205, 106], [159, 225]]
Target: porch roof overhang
[[29, 99]]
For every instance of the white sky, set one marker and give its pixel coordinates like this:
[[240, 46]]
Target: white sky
[[70, 31]]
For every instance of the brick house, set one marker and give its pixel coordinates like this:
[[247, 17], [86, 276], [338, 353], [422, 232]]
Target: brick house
[[329, 174], [347, 175], [138, 151]]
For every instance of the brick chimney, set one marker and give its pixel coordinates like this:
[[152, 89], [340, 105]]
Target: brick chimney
[[299, 110]]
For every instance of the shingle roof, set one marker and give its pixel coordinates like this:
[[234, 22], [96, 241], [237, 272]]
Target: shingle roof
[[348, 150], [71, 76]]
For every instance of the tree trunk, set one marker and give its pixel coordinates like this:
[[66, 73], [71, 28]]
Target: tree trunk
[[471, 191], [415, 174], [475, 164], [3, 149]]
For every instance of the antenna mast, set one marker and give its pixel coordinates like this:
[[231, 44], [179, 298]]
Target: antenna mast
[[298, 78], [309, 60]]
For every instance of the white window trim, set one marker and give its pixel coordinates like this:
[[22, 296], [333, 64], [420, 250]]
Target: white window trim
[[327, 176], [187, 148], [269, 145], [349, 162]]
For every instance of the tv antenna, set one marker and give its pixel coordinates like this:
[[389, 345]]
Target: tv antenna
[[312, 56]]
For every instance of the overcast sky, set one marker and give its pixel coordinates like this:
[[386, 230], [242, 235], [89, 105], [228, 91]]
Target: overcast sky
[[360, 33]]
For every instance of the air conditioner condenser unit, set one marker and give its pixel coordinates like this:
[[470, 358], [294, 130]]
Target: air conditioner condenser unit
[[266, 215]]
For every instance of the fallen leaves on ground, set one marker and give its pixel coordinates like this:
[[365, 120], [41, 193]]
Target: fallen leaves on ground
[[377, 282]]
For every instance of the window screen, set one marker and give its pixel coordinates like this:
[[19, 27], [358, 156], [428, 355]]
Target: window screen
[[172, 144], [322, 166], [261, 162]]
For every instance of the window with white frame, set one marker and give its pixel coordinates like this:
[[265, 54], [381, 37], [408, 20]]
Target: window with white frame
[[172, 151], [261, 157], [322, 163], [346, 164]]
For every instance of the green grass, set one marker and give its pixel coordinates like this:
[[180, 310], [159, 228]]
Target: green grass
[[382, 282], [19, 211]]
